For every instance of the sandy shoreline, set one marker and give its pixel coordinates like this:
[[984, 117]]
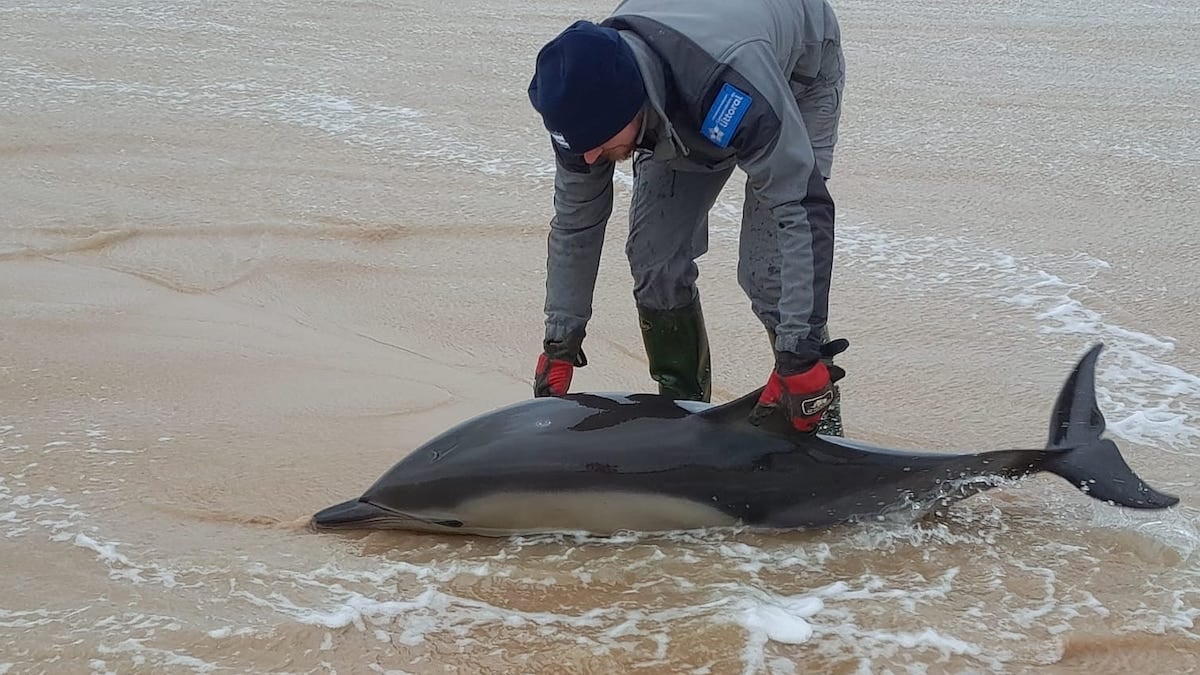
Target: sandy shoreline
[[250, 256]]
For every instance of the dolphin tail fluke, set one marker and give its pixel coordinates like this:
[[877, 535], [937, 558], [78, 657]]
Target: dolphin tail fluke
[[1078, 453]]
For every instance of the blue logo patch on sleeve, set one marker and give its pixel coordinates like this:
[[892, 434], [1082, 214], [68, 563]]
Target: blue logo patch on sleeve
[[725, 114]]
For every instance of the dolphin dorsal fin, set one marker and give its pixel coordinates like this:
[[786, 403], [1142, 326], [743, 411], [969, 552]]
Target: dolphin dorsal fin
[[737, 410], [737, 413]]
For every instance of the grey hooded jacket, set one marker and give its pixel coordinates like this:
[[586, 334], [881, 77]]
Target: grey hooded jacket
[[729, 82]]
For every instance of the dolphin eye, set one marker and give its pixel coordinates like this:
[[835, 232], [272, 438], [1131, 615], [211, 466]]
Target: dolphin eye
[[438, 453]]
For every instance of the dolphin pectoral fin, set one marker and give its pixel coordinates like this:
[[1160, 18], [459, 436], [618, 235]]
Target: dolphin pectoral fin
[[1078, 453]]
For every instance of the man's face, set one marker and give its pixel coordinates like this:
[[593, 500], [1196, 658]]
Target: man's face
[[618, 148]]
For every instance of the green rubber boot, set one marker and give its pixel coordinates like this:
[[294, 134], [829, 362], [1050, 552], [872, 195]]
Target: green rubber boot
[[676, 345], [831, 421]]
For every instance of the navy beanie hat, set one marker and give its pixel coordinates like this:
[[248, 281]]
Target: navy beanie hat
[[586, 86]]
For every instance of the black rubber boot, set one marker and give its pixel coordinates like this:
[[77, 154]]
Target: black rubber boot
[[831, 421], [676, 345]]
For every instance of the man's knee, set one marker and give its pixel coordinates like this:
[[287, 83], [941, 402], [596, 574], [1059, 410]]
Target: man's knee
[[664, 286], [664, 267], [759, 278]]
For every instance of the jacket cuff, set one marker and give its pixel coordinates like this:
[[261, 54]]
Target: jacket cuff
[[565, 345], [795, 355]]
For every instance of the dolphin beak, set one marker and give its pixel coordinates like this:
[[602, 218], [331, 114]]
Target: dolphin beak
[[348, 514]]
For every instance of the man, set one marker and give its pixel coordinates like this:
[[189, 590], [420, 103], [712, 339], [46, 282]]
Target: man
[[694, 89]]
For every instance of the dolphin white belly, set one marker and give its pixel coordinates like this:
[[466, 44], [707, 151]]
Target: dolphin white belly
[[591, 511]]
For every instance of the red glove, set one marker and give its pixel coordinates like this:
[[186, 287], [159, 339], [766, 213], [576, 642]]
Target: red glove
[[555, 366], [804, 392]]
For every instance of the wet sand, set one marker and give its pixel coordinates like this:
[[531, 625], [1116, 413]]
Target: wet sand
[[250, 256]]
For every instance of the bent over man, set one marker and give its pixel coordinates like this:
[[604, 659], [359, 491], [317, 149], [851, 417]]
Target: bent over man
[[692, 90]]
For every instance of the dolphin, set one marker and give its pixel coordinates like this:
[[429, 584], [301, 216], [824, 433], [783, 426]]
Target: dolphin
[[602, 463]]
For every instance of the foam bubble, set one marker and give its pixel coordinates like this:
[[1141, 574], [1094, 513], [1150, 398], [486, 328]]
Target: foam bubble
[[783, 623], [163, 658], [375, 667]]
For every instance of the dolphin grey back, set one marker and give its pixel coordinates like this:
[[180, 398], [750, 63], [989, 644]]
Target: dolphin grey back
[[713, 466]]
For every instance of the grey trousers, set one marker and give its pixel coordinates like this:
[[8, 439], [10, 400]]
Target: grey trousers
[[668, 215], [668, 231]]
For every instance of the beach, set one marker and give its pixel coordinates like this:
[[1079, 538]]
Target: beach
[[251, 255]]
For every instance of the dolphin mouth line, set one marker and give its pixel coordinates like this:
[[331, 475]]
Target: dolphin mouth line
[[389, 519], [356, 513]]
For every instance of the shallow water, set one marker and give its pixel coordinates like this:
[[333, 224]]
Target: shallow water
[[250, 255]]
